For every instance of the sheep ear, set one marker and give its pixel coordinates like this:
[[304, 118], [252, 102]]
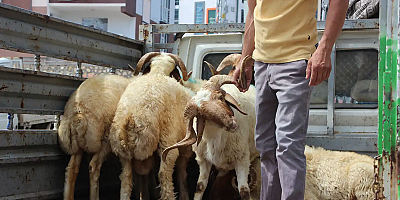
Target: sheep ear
[[234, 103]]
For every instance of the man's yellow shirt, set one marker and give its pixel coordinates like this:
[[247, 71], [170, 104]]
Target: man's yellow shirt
[[285, 30]]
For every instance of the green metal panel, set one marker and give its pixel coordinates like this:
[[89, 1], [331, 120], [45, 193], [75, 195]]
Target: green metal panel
[[388, 98]]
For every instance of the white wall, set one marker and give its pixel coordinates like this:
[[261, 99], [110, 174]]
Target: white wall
[[146, 10], [186, 12], [118, 22], [40, 3], [155, 10], [139, 7], [171, 11]]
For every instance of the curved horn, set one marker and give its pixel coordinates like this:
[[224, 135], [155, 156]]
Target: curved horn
[[189, 75], [143, 60], [191, 111], [215, 82], [212, 68], [201, 123], [242, 76], [252, 178], [181, 65], [232, 59]]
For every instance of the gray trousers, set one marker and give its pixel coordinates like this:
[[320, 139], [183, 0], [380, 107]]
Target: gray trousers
[[282, 107]]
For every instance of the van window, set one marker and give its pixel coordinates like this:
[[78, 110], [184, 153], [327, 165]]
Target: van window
[[356, 81]]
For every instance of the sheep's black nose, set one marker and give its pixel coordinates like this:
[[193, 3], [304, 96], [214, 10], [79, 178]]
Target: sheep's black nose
[[232, 127]]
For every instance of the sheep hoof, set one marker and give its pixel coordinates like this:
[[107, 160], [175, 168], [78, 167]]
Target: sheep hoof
[[244, 193], [199, 188]]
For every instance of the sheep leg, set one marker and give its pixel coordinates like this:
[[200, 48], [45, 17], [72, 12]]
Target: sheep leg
[[126, 179], [137, 186], [154, 189], [71, 175], [145, 187], [94, 171], [165, 174], [205, 168], [242, 174], [182, 174]]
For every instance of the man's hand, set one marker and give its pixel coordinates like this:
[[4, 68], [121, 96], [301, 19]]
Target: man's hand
[[319, 66], [248, 69]]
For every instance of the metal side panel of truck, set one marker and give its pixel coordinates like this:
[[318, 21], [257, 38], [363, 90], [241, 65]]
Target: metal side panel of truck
[[32, 165], [349, 126]]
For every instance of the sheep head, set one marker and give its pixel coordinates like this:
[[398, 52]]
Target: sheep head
[[211, 103], [234, 60], [153, 55]]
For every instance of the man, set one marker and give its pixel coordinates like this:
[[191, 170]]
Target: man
[[281, 37]]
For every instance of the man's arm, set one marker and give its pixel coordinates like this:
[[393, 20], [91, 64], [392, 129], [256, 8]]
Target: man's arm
[[248, 46], [248, 41], [319, 66]]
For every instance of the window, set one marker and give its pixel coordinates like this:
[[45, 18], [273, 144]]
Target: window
[[176, 2], [176, 17], [242, 16], [97, 23], [211, 15], [199, 12], [356, 81]]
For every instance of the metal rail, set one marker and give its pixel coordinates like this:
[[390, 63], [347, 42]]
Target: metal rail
[[30, 32], [388, 99], [32, 92], [147, 32]]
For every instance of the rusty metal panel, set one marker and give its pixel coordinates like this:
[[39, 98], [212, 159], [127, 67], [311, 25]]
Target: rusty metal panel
[[30, 32], [238, 27], [354, 24], [363, 143], [32, 166], [32, 92]]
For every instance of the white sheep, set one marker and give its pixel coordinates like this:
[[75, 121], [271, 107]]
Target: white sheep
[[196, 84], [225, 137], [86, 123], [150, 117], [338, 175], [330, 175]]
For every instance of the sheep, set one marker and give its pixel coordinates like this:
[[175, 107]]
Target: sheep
[[330, 175], [196, 84], [86, 122], [149, 123], [338, 175], [84, 127], [225, 137]]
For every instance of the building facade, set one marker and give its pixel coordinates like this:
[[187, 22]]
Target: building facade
[[210, 11], [121, 17]]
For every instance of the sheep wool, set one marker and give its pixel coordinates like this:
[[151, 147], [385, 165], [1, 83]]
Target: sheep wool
[[85, 126], [338, 175], [150, 118]]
